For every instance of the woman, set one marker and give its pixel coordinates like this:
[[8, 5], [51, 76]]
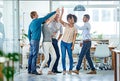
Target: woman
[[68, 40], [47, 48]]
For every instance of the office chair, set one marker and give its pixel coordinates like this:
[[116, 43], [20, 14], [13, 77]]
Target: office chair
[[102, 51]]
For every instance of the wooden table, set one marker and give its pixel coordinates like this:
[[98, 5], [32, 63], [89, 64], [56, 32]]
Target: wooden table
[[93, 49], [116, 63]]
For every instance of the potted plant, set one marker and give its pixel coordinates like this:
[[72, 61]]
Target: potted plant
[[7, 69]]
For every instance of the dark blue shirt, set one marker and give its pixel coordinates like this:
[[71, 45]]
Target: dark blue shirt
[[34, 31]]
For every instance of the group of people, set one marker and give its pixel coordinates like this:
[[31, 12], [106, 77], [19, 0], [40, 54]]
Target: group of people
[[50, 25]]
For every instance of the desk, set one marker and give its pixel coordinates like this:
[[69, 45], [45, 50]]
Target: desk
[[116, 54], [93, 49]]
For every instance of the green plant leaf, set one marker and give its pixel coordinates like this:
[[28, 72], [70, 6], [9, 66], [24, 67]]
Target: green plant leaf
[[16, 57], [1, 53], [8, 72]]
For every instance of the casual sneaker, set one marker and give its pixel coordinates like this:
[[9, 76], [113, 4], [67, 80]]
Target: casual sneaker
[[76, 71], [57, 71], [36, 73], [92, 72], [40, 72], [51, 73], [70, 72], [64, 72]]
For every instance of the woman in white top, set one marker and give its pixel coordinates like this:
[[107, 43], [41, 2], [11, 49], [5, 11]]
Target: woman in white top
[[48, 47], [68, 40]]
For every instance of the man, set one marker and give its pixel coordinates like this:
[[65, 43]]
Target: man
[[86, 45], [55, 27], [34, 34], [2, 33]]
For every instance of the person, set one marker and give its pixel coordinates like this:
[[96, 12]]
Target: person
[[2, 33], [47, 47], [68, 40], [86, 45], [34, 33], [56, 27]]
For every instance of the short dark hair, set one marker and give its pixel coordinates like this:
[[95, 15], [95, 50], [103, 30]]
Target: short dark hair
[[87, 16], [70, 16], [32, 14], [75, 18]]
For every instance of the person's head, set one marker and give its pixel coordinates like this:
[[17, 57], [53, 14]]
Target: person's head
[[71, 18], [86, 18], [0, 15], [33, 14], [75, 18], [56, 17]]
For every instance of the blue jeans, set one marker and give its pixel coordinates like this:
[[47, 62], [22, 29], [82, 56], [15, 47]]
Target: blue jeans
[[55, 45], [34, 48], [66, 46], [85, 51]]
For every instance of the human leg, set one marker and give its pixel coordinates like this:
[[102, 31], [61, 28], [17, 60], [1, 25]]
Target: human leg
[[55, 45], [35, 49], [63, 51], [69, 50]]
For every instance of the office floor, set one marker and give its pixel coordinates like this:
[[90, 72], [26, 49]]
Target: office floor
[[101, 75]]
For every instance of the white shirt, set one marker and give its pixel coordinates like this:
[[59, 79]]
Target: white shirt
[[86, 30], [55, 27]]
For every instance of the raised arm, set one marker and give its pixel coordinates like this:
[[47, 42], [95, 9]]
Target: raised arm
[[50, 19], [48, 16], [61, 21]]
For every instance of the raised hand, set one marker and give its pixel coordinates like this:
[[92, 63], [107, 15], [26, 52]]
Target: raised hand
[[62, 9], [58, 10]]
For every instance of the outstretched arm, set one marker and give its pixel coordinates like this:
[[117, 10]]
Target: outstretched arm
[[48, 16]]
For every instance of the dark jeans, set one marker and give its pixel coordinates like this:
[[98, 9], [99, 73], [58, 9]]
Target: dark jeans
[[34, 47], [85, 51], [55, 45]]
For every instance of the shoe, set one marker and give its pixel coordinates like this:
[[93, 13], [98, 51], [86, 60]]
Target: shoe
[[46, 66], [70, 72], [92, 72], [76, 71], [51, 73], [29, 73], [57, 71], [64, 72], [36, 73], [40, 72]]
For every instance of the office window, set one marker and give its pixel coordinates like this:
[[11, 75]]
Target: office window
[[101, 15], [106, 16], [95, 15]]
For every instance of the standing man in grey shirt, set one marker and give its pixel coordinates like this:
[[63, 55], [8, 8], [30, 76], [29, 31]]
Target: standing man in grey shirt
[[55, 28]]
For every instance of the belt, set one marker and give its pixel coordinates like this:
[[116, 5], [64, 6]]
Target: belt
[[87, 40]]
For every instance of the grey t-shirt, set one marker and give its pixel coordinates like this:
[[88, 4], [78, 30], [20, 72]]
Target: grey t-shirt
[[46, 33]]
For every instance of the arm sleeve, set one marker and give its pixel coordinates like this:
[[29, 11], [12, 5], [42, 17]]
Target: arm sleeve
[[46, 17], [82, 27]]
